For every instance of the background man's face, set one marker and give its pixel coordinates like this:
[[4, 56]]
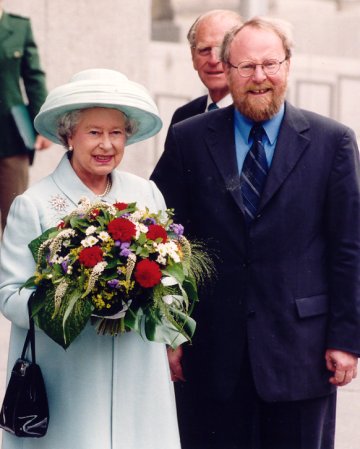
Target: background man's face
[[209, 36]]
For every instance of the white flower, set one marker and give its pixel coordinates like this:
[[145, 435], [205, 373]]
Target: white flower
[[112, 210], [140, 228], [57, 259], [168, 249], [161, 260], [104, 236], [90, 230], [143, 228], [137, 215], [84, 205], [89, 241]]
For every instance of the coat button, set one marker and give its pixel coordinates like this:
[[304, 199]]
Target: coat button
[[251, 314]]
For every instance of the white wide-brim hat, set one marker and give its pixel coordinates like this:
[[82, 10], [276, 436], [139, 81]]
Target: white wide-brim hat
[[100, 88]]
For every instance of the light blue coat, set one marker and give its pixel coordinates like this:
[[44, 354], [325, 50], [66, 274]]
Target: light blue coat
[[104, 392]]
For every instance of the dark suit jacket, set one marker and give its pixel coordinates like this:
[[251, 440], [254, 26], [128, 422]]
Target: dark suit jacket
[[289, 286], [194, 107], [18, 60]]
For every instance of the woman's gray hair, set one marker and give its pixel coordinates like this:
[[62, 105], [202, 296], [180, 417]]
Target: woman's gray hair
[[68, 122], [279, 27]]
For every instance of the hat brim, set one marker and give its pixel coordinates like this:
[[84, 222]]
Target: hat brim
[[124, 95]]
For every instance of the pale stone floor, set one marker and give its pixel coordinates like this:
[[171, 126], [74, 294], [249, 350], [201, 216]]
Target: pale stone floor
[[348, 421]]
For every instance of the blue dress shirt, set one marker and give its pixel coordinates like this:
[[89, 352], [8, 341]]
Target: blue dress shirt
[[243, 141]]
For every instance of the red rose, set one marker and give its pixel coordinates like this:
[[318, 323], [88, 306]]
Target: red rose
[[91, 256], [61, 224], [122, 229], [156, 232], [147, 273], [121, 206]]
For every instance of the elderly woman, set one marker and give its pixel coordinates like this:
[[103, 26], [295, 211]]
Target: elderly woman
[[104, 392]]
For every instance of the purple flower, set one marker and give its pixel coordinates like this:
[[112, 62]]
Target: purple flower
[[178, 229], [64, 266], [149, 221], [124, 249], [113, 283]]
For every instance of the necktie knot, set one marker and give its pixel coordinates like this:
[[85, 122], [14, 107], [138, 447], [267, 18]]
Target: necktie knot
[[212, 107], [257, 132]]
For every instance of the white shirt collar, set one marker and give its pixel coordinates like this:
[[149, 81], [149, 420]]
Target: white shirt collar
[[226, 101]]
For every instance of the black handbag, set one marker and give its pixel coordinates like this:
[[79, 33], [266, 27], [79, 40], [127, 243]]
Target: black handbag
[[25, 411]]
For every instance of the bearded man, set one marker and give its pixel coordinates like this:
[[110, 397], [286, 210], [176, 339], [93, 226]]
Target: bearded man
[[274, 192]]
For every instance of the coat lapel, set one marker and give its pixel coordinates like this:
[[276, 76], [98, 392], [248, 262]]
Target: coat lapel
[[292, 142], [220, 141]]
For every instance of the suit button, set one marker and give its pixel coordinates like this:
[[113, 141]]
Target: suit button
[[251, 314]]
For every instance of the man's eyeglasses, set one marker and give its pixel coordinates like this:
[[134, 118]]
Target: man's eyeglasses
[[247, 68]]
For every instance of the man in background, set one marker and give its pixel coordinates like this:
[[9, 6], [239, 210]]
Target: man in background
[[19, 65], [205, 37]]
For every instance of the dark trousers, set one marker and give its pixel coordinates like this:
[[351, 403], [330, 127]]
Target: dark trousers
[[247, 422]]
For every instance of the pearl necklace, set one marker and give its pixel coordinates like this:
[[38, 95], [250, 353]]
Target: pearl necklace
[[107, 189]]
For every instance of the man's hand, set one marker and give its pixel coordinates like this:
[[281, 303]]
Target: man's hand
[[174, 357], [343, 365]]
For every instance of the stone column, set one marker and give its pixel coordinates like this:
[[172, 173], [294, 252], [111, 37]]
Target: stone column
[[163, 26], [73, 35], [250, 8]]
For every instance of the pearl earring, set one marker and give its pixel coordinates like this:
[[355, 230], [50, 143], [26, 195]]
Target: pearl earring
[[70, 148]]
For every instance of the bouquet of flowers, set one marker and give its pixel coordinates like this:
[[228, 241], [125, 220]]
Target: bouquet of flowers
[[120, 267]]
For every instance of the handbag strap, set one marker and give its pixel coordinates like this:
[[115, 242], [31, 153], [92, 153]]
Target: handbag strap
[[30, 336]]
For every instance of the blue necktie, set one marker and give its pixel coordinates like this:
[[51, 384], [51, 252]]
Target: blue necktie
[[212, 107], [254, 172]]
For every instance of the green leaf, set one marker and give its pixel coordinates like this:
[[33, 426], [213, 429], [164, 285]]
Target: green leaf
[[35, 244], [142, 239], [30, 283], [75, 317], [133, 319], [160, 329], [43, 308], [175, 270], [189, 286]]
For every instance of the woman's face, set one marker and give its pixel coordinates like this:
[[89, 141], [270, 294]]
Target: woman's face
[[98, 142]]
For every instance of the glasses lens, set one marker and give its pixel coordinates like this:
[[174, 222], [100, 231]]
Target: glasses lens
[[246, 69], [271, 67]]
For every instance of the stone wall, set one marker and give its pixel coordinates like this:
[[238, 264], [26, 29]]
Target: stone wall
[[75, 35]]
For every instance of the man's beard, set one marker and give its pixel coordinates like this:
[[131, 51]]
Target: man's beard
[[259, 109]]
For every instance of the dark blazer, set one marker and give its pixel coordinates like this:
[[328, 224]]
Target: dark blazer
[[289, 285], [194, 107], [18, 60]]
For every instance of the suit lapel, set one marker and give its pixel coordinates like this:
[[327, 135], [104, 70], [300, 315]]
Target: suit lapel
[[292, 142], [220, 141]]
